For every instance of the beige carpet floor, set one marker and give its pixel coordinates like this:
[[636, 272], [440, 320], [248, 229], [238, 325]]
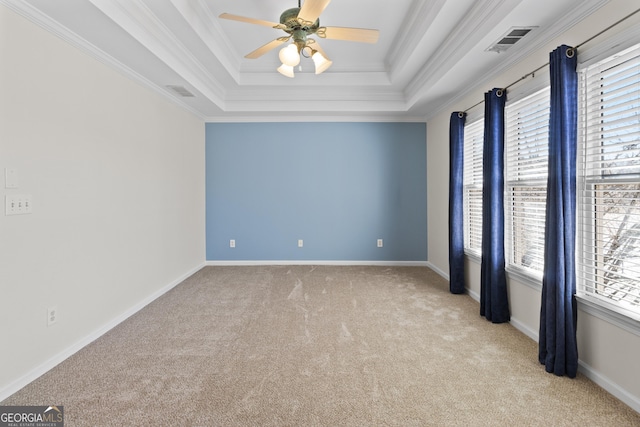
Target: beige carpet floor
[[316, 346]]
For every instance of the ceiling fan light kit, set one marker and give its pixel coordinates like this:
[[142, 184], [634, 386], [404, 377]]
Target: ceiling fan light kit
[[320, 62], [286, 70], [299, 23], [289, 55]]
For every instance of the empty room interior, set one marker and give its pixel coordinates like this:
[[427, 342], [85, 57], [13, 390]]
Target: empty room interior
[[179, 176]]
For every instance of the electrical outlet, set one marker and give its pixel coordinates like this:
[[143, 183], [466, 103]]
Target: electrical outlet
[[300, 243], [52, 315], [379, 243], [232, 243]]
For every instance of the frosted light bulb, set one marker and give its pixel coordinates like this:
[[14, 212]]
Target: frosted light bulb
[[286, 70], [289, 55], [321, 62]]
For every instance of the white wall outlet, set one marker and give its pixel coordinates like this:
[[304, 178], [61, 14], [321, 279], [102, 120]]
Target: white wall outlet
[[52, 315], [17, 204], [300, 243], [379, 243], [232, 243]]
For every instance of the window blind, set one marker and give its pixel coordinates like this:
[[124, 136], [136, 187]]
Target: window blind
[[472, 177], [610, 194], [526, 163]]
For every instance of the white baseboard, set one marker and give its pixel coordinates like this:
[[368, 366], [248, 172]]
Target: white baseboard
[[68, 352], [533, 334], [311, 262], [437, 270], [593, 375], [475, 296], [609, 386], [604, 382]]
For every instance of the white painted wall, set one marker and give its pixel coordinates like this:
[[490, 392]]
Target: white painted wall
[[608, 353], [116, 173]]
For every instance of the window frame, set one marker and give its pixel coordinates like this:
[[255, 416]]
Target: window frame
[[472, 181], [588, 56], [526, 120], [588, 181]]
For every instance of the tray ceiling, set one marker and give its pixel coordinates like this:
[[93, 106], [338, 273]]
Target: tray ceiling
[[427, 53]]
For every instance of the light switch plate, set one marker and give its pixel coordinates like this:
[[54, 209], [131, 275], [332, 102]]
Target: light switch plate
[[17, 204], [10, 178]]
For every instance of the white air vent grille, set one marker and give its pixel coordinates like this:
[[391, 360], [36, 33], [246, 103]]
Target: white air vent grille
[[181, 90], [514, 35]]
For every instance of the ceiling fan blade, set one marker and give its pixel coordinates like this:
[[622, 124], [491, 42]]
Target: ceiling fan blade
[[266, 48], [250, 20], [311, 10], [363, 35]]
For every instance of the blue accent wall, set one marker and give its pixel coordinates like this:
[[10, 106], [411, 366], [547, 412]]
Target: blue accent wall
[[337, 186]]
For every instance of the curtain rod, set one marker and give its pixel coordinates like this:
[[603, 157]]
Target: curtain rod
[[533, 73]]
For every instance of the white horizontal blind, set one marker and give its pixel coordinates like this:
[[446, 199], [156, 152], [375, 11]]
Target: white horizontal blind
[[473, 142], [610, 194], [526, 164]]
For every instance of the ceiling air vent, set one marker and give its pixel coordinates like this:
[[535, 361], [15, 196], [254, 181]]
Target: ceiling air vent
[[514, 35], [181, 90]]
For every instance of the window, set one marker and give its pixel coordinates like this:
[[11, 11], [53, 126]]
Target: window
[[609, 259], [526, 163], [472, 177]]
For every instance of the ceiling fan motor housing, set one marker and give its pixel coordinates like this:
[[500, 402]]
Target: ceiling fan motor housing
[[296, 28], [289, 18]]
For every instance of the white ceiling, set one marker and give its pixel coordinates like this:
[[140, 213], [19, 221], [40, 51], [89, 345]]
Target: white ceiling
[[428, 51]]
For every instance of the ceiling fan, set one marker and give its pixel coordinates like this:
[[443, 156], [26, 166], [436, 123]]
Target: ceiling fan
[[300, 23]]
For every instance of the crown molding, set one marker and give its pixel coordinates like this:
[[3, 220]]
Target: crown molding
[[213, 71], [543, 37], [315, 118], [329, 106], [483, 16], [208, 28], [45, 22], [420, 17], [339, 79], [140, 23]]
